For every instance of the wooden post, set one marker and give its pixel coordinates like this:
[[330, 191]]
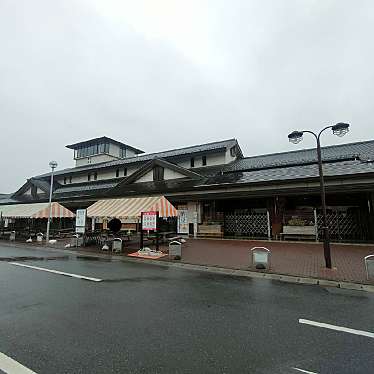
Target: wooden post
[[269, 224]]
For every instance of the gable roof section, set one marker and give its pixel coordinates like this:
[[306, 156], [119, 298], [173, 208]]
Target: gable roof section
[[38, 183], [165, 164]]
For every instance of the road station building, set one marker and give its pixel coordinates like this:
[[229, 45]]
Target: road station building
[[222, 192]]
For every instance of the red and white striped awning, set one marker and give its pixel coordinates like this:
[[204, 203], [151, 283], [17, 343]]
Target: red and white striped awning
[[35, 210], [131, 207]]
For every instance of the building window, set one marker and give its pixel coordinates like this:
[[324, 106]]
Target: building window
[[158, 173], [70, 179], [203, 159], [95, 176], [64, 180], [192, 162], [89, 177], [124, 172], [123, 152], [117, 173]]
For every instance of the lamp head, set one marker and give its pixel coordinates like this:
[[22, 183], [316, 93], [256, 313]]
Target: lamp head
[[295, 137], [53, 164], [340, 129]]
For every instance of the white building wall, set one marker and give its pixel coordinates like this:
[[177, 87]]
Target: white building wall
[[212, 159], [148, 177], [168, 174], [95, 159], [172, 174]]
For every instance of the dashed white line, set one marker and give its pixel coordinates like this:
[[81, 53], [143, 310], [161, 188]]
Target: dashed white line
[[58, 272], [337, 328], [305, 371], [10, 366]]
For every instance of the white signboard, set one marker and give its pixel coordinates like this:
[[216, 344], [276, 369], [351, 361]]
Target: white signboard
[[182, 226], [80, 221], [149, 221]]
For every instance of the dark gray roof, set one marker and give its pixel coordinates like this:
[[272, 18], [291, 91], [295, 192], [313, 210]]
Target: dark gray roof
[[362, 150], [102, 139], [335, 169], [141, 159], [84, 187]]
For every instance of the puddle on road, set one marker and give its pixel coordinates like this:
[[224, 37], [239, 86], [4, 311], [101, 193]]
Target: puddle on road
[[91, 258], [32, 258]]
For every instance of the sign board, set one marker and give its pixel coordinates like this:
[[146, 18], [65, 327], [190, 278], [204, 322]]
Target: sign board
[[80, 230], [182, 223], [80, 219], [149, 221]]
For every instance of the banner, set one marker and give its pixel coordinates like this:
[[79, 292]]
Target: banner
[[182, 223]]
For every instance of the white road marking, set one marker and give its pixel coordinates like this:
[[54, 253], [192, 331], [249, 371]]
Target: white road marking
[[337, 328], [57, 272], [10, 366], [305, 371]]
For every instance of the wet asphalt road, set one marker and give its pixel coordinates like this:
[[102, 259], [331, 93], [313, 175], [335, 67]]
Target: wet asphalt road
[[150, 319]]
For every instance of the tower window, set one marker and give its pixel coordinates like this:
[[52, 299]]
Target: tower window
[[117, 173], [124, 172], [192, 162], [70, 179], [203, 159], [89, 177], [95, 176], [64, 180]]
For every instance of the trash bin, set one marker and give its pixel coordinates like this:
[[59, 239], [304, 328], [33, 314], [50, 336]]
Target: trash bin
[[175, 249], [260, 258], [12, 236], [39, 237], [369, 266], [117, 245]]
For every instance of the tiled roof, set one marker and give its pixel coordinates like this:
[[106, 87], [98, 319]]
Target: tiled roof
[[151, 156], [363, 150], [335, 169]]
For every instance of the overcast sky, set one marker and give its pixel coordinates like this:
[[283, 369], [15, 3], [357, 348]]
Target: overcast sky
[[165, 74]]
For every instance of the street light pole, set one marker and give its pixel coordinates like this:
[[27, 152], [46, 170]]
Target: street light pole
[[340, 129], [53, 166], [325, 228]]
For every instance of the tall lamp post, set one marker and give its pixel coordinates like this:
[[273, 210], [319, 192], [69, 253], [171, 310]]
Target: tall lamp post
[[340, 129], [53, 166]]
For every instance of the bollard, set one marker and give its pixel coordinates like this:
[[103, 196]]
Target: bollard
[[369, 266], [260, 258], [175, 250], [117, 245]]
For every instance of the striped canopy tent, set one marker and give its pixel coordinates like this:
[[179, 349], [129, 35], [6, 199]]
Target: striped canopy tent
[[131, 208], [36, 210]]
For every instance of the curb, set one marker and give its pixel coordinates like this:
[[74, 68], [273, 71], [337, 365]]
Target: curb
[[216, 269]]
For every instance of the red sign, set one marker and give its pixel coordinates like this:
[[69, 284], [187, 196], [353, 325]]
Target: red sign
[[149, 221]]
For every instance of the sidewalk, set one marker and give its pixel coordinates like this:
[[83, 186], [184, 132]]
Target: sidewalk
[[303, 259]]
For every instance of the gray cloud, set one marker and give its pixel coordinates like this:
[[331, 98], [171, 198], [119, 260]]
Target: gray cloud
[[69, 73]]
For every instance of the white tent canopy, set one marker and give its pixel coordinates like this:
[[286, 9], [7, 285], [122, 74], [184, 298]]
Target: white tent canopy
[[131, 208], [35, 210]]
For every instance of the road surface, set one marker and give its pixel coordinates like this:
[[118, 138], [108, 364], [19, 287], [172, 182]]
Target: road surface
[[77, 315]]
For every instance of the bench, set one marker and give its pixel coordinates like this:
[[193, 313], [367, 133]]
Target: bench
[[210, 231], [298, 232]]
